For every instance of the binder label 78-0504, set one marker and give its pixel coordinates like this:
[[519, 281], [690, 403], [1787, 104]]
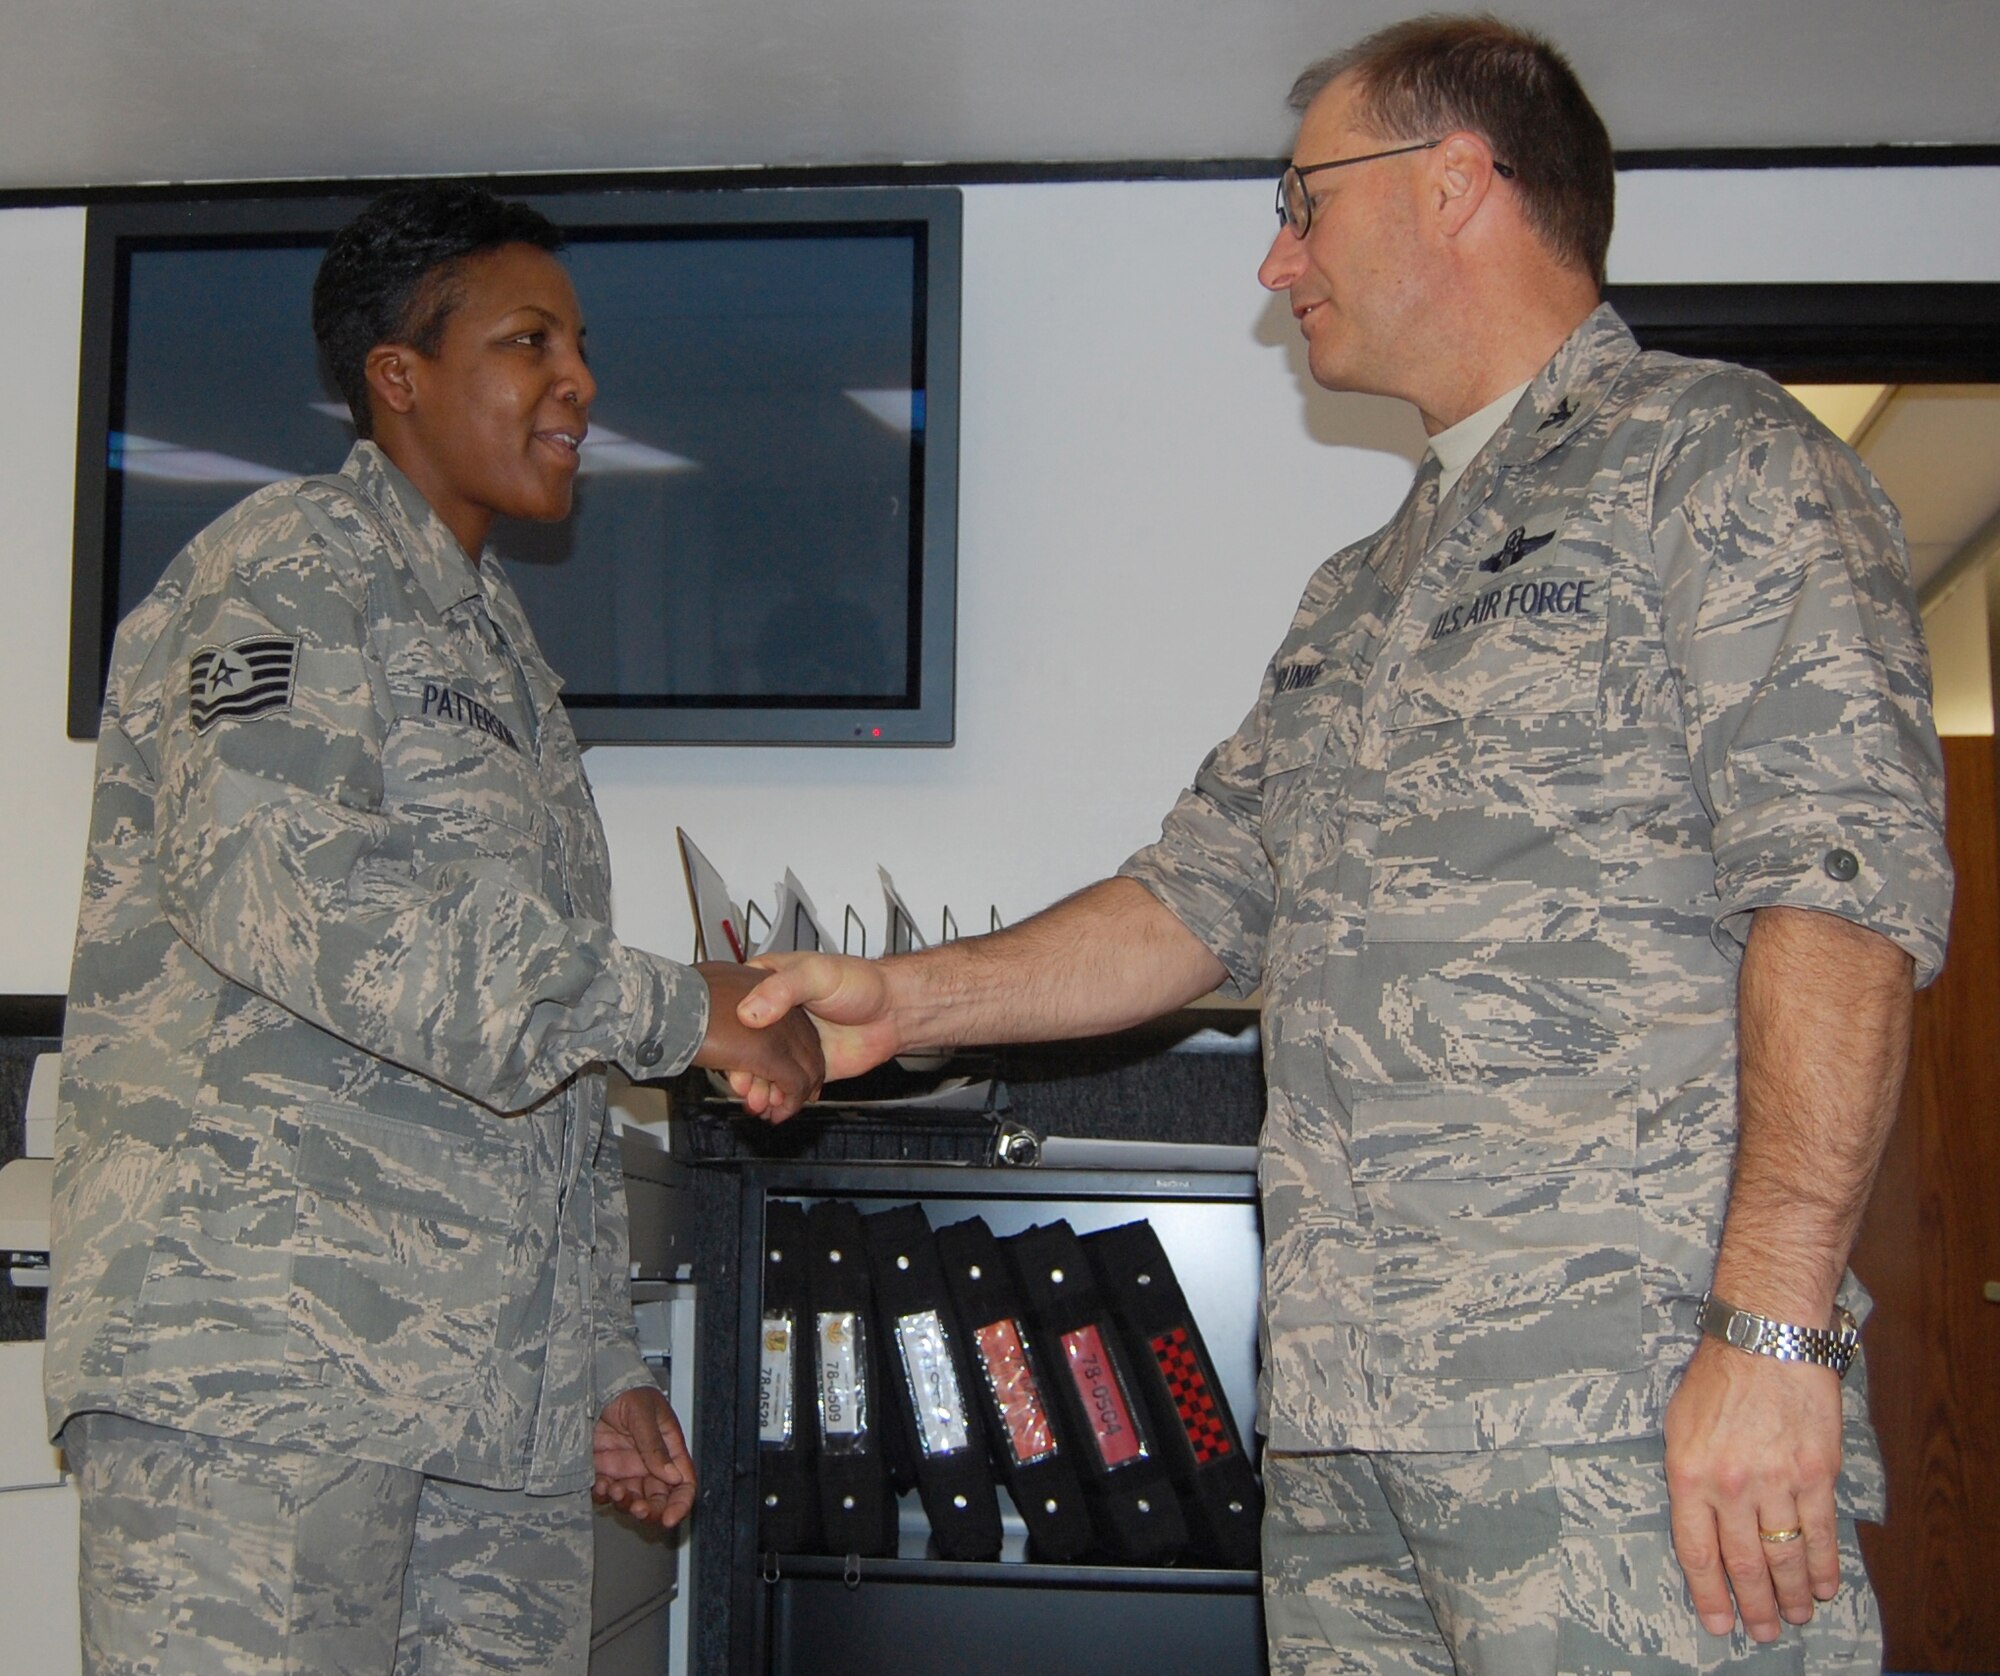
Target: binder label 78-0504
[[1104, 1400]]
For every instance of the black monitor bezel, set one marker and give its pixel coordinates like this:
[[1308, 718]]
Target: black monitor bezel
[[630, 207]]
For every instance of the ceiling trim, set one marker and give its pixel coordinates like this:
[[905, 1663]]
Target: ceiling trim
[[1908, 156], [1826, 334], [1976, 550], [689, 180], [982, 174]]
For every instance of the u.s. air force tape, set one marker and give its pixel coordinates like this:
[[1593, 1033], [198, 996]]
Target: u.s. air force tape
[[243, 680]]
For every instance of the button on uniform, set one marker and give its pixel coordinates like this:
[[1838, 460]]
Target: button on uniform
[[1841, 865]]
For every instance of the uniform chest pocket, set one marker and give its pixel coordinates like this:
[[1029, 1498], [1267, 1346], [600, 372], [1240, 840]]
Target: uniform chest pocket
[[1308, 733], [1293, 769], [457, 755], [1530, 642], [1294, 745], [1494, 770], [406, 1245], [463, 789]]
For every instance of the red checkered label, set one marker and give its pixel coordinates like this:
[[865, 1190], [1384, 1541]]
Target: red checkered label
[[1194, 1399]]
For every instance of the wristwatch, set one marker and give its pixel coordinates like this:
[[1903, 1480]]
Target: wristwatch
[[1826, 1347]]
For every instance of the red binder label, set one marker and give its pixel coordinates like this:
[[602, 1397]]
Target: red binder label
[[1194, 1401], [1030, 1437], [1097, 1383]]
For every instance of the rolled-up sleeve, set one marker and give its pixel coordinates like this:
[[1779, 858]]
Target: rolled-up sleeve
[[1793, 629], [1209, 866]]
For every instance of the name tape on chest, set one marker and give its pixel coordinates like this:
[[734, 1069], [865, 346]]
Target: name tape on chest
[[243, 680], [441, 703]]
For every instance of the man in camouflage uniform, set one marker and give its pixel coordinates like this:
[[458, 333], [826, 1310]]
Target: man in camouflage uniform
[[340, 1331], [1584, 842]]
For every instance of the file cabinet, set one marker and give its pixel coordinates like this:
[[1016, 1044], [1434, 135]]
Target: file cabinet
[[790, 1615]]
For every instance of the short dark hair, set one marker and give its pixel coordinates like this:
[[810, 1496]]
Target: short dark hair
[[1421, 79], [393, 273]]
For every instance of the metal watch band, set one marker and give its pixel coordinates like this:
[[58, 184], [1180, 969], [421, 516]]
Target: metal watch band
[[1826, 1347]]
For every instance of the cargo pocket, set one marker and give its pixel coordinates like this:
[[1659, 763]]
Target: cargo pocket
[[1505, 1227], [407, 1237]]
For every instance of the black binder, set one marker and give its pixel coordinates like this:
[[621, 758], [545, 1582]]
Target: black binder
[[1199, 1438], [930, 1385], [787, 1502], [1132, 1500], [857, 1511], [1012, 1382]]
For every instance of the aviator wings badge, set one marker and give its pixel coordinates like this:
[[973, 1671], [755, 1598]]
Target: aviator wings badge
[[1518, 546]]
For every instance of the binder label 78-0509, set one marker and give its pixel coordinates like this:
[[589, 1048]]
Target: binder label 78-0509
[[843, 1383]]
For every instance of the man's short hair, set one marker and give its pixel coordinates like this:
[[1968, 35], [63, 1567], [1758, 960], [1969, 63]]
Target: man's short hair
[[1422, 79], [395, 273]]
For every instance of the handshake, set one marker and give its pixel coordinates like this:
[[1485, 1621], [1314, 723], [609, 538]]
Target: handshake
[[1104, 959], [784, 1025]]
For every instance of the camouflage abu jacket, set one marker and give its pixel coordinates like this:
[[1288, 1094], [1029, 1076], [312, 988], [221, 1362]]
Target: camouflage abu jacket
[[332, 1167], [1490, 840]]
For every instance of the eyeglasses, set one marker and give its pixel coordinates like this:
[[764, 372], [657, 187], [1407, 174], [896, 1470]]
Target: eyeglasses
[[1295, 209]]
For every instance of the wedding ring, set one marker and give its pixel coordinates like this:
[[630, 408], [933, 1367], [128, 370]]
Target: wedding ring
[[1790, 1535]]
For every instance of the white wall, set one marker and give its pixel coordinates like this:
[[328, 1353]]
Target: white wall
[[44, 777], [1955, 625], [1147, 478]]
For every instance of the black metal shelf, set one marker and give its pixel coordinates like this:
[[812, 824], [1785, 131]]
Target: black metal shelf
[[811, 1179], [762, 1606], [1028, 1575]]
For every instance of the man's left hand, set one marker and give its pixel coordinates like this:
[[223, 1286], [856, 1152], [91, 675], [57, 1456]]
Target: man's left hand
[[1753, 1446], [642, 1461]]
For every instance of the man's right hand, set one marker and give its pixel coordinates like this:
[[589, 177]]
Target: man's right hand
[[775, 1065], [847, 999]]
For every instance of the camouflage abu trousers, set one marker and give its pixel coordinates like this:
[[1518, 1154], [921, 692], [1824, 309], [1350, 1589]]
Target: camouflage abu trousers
[[204, 1557], [1510, 1562]]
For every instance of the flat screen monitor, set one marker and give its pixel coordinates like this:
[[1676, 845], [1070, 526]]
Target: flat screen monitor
[[763, 546]]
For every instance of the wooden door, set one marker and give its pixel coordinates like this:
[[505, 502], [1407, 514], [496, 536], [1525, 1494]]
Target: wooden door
[[1928, 1251]]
